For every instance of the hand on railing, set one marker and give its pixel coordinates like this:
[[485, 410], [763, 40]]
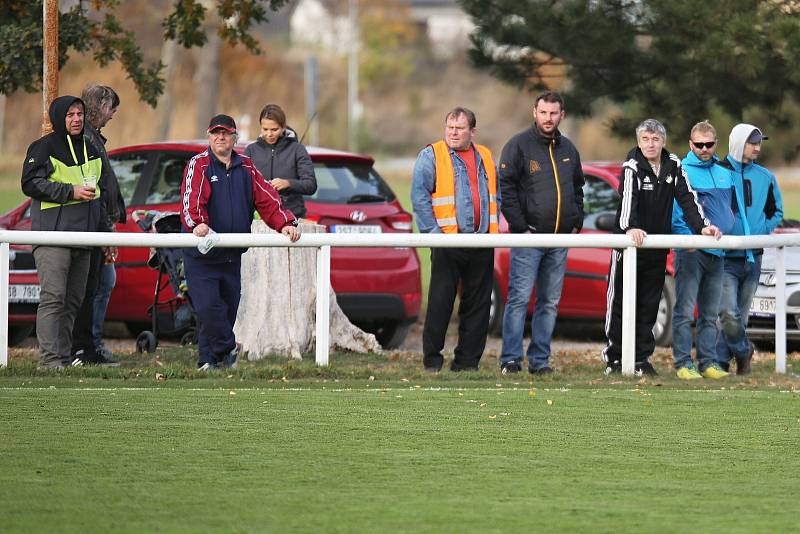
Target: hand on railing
[[637, 235]]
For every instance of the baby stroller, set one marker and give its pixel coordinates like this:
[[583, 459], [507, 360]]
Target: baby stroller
[[172, 317]]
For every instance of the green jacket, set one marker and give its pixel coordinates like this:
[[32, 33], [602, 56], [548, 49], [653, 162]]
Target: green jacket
[[53, 165]]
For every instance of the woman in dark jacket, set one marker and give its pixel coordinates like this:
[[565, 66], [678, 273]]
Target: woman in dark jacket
[[283, 161]]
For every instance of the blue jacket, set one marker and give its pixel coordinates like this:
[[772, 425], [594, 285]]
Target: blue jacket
[[424, 183], [756, 189], [713, 186]]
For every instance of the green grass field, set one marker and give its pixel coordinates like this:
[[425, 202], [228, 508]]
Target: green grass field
[[371, 444]]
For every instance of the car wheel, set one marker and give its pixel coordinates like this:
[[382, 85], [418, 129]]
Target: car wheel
[[19, 333], [392, 334], [146, 342], [662, 330], [496, 311]]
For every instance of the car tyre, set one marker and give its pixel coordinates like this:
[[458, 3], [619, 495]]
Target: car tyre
[[19, 333], [146, 342], [496, 311], [662, 330], [392, 334]]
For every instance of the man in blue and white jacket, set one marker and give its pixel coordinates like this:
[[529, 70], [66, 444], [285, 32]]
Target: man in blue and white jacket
[[698, 273], [757, 190]]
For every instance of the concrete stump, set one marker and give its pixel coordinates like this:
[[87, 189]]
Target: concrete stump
[[277, 311]]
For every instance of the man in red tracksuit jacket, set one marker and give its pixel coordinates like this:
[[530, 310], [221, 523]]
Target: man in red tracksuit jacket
[[220, 191]]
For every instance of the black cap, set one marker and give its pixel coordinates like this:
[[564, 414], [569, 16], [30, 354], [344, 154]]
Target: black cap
[[756, 137], [225, 122]]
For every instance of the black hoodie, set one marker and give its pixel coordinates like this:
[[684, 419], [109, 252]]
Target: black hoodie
[[40, 176], [287, 159]]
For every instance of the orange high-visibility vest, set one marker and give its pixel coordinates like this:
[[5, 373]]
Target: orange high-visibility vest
[[444, 197]]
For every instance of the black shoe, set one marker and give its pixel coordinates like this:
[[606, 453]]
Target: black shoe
[[645, 368], [743, 362], [458, 367], [546, 370], [432, 369], [613, 368], [510, 368]]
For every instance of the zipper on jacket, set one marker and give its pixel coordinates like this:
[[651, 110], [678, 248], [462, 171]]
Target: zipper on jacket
[[558, 186], [271, 163]]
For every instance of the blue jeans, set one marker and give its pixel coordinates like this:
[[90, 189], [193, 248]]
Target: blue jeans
[[105, 285], [739, 284], [543, 268], [698, 281]]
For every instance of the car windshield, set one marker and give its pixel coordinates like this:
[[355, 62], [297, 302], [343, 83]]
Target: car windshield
[[349, 183], [128, 168]]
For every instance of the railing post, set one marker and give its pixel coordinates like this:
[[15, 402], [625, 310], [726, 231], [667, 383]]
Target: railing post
[[780, 310], [628, 310], [323, 304], [4, 304]]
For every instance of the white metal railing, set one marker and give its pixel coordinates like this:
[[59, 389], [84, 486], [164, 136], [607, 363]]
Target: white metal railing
[[324, 241]]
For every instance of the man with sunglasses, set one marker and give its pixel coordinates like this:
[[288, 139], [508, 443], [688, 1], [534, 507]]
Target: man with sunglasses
[[762, 208], [698, 273]]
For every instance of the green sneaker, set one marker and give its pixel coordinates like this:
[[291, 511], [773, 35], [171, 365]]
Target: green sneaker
[[714, 372], [688, 373]]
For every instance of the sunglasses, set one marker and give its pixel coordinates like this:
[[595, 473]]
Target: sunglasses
[[701, 146]]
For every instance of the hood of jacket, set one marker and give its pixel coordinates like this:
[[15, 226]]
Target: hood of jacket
[[738, 138], [691, 160], [58, 141], [289, 136]]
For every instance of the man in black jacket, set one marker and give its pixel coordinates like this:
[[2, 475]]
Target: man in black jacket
[[541, 183], [101, 103], [651, 180], [60, 174]]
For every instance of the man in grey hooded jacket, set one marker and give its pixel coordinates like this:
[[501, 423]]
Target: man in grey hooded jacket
[[757, 190]]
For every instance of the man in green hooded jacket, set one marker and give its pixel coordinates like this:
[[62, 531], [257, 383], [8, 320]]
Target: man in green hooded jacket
[[61, 173]]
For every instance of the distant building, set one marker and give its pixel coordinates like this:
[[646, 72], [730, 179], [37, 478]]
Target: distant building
[[325, 23]]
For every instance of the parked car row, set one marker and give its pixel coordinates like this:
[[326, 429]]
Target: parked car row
[[378, 289]]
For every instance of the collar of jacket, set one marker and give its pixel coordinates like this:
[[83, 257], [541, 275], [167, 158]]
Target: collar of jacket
[[738, 166], [289, 136], [643, 163], [544, 140], [236, 160], [692, 159]]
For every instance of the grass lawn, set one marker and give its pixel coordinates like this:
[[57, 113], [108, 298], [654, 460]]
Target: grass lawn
[[372, 444]]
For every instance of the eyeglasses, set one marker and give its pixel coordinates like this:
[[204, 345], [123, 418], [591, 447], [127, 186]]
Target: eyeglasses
[[221, 133], [701, 146]]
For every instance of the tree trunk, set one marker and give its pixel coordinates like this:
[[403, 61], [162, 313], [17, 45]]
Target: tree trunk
[[277, 310], [165, 105], [206, 81]]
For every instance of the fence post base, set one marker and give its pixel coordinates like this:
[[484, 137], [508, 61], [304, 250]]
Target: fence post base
[[628, 310], [4, 255], [323, 305]]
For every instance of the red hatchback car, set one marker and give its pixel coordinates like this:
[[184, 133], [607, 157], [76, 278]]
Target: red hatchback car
[[378, 289], [586, 279]]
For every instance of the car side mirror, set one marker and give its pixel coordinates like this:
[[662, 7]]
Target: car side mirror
[[606, 221]]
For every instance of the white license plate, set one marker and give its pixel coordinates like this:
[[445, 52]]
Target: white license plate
[[356, 228], [23, 293], [763, 306]]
